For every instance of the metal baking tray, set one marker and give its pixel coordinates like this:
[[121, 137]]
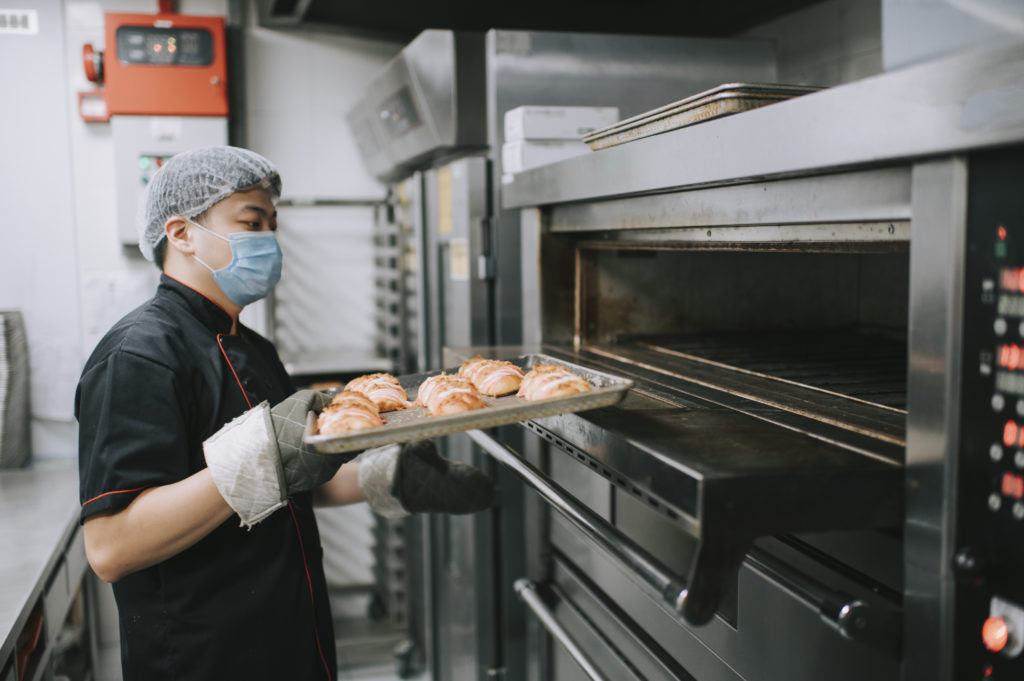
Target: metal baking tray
[[723, 100], [416, 423]]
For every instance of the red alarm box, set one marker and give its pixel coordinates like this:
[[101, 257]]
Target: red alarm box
[[165, 65]]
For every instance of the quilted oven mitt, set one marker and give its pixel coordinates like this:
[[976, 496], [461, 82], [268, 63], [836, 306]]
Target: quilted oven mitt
[[258, 460], [304, 467], [414, 478]]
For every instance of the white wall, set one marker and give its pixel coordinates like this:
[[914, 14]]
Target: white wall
[[919, 30], [299, 86], [113, 279], [829, 43], [38, 269]]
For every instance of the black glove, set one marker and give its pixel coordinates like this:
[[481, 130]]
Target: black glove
[[426, 482], [414, 478]]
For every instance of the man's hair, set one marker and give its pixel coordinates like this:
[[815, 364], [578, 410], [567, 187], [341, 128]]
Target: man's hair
[[160, 250]]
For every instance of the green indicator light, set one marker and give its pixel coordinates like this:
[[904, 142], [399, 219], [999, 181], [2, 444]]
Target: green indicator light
[[143, 162], [1000, 249]]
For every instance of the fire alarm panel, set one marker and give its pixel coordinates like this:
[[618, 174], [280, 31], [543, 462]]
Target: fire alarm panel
[[165, 64]]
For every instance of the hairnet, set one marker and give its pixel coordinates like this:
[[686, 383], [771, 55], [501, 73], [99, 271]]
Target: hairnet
[[191, 182]]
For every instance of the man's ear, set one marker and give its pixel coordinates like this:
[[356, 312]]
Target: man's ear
[[179, 236]]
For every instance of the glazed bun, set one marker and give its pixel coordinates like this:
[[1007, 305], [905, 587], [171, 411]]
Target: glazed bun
[[383, 389], [444, 394], [348, 411], [491, 376], [551, 380]]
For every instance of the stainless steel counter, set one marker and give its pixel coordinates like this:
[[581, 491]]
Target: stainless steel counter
[[38, 518]]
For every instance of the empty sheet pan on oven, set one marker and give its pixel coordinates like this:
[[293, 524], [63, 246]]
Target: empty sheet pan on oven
[[723, 100], [416, 423]]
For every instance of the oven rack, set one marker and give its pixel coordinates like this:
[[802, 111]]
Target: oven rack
[[823, 383], [688, 381], [855, 365]]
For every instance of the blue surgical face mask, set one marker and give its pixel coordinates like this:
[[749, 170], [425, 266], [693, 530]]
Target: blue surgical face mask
[[255, 266]]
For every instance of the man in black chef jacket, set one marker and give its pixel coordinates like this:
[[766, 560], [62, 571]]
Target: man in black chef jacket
[[188, 418]]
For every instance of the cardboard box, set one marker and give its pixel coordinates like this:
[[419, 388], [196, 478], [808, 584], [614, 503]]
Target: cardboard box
[[523, 155], [556, 122]]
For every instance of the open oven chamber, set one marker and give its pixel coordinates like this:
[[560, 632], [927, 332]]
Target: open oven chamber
[[759, 457], [805, 481]]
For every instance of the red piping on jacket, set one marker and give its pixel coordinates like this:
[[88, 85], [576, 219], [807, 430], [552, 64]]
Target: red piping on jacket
[[232, 367], [295, 521], [312, 603], [120, 491], [200, 293]]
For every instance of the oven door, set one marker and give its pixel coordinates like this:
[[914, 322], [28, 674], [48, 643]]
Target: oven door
[[608, 565]]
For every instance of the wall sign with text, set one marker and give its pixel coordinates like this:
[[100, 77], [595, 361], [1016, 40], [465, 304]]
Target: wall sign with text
[[24, 21]]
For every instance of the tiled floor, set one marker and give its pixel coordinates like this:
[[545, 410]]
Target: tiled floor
[[110, 670], [382, 674]]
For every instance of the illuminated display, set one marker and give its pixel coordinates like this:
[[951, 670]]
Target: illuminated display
[[1012, 434], [1010, 306], [1001, 242], [1013, 485], [1012, 279], [1011, 357], [1010, 383], [172, 46]]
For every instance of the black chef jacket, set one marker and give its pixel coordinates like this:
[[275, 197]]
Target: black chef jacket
[[239, 604]]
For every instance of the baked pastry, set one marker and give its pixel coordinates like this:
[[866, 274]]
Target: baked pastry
[[384, 389], [551, 380], [444, 394], [348, 411], [491, 376]]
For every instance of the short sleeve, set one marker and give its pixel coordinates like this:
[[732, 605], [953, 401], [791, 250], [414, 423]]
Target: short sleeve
[[132, 431]]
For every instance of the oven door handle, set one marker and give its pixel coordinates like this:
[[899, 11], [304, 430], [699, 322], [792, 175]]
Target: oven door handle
[[527, 592], [876, 627], [672, 588]]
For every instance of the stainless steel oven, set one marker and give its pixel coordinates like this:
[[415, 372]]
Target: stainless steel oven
[[820, 472]]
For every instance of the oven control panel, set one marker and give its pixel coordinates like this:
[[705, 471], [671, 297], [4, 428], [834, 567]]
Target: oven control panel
[[990, 533]]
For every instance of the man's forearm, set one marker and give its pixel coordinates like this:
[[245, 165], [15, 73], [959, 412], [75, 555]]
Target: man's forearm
[[342, 489], [160, 523]]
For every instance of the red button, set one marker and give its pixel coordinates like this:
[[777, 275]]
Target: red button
[[1013, 485], [995, 634], [1010, 433]]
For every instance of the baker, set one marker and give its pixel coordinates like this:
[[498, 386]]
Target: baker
[[197, 492]]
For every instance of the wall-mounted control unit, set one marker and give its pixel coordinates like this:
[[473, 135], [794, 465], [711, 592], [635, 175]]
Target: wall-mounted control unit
[[164, 90]]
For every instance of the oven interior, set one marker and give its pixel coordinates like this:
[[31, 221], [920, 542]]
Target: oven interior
[[768, 414], [833, 321]]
